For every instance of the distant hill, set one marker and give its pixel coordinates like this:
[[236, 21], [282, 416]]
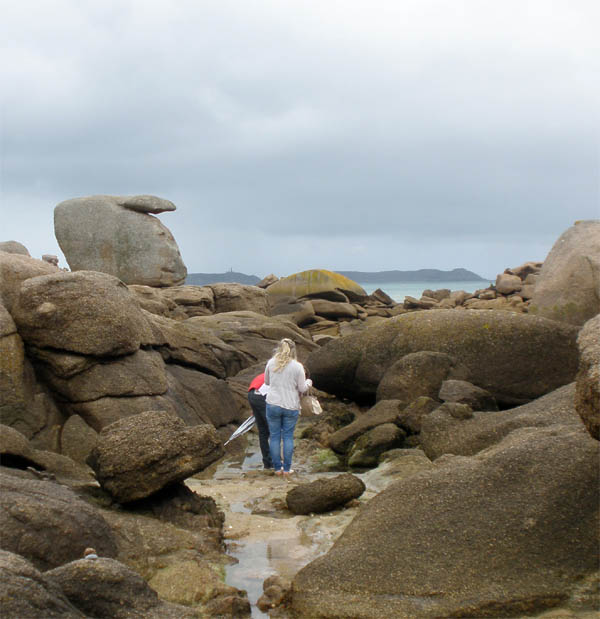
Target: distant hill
[[202, 279], [422, 275]]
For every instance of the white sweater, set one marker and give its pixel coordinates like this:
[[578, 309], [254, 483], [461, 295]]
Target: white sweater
[[286, 385]]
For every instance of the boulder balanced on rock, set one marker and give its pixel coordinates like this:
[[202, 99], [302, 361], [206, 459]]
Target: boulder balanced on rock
[[118, 236], [138, 455]]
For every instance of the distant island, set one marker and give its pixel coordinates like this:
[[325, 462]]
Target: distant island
[[230, 277], [422, 275], [363, 277]]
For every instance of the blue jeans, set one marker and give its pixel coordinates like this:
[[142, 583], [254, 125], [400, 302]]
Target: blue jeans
[[282, 422]]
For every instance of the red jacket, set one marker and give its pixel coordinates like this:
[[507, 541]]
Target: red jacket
[[257, 382]]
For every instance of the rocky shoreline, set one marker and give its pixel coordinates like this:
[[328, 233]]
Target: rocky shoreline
[[458, 443]]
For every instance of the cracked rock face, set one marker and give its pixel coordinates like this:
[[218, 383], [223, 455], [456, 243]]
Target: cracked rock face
[[118, 236]]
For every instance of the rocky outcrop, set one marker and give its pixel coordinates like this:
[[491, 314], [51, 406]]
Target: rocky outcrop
[[568, 288], [106, 588], [239, 297], [419, 374], [416, 549], [15, 269], [14, 247], [587, 399], [48, 524], [516, 357], [118, 236], [86, 312], [146, 204], [323, 495], [442, 432], [17, 452], [27, 593], [384, 412], [318, 283], [464, 392], [365, 452], [137, 456]]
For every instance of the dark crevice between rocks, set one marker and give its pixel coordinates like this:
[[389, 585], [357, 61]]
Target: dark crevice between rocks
[[15, 461], [190, 366]]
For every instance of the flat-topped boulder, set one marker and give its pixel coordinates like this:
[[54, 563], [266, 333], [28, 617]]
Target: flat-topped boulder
[[516, 357], [318, 283], [118, 236], [568, 287]]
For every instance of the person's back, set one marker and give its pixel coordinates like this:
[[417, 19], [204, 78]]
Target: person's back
[[286, 380], [286, 384]]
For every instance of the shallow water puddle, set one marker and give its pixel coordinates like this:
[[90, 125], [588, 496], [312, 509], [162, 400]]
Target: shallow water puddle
[[270, 540]]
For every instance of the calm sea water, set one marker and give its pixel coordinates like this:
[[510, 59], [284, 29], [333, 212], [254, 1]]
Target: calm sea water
[[399, 290]]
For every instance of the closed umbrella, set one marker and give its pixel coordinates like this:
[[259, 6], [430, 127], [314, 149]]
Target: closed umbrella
[[242, 429]]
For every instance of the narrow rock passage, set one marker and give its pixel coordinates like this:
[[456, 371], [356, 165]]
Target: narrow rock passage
[[261, 534]]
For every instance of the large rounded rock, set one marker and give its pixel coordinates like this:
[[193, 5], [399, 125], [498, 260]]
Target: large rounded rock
[[324, 495], [85, 312], [14, 247], [479, 536], [137, 456], [26, 593], [48, 524], [568, 288], [516, 357], [106, 588], [442, 433], [318, 283], [15, 269], [97, 233], [418, 374], [587, 400]]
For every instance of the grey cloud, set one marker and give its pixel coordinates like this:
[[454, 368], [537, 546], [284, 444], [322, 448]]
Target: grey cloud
[[405, 129]]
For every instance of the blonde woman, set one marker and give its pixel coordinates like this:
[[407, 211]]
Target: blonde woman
[[286, 381]]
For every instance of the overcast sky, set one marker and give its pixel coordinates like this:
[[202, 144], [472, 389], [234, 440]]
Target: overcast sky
[[293, 134]]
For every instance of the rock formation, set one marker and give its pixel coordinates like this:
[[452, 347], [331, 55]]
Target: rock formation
[[497, 348], [588, 378], [470, 537], [324, 495], [26, 592], [568, 288], [139, 455], [318, 283], [14, 247], [118, 236]]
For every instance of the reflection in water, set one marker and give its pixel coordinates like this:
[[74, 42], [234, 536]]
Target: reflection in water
[[284, 553]]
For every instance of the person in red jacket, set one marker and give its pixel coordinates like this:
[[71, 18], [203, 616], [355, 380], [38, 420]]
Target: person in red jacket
[[257, 397]]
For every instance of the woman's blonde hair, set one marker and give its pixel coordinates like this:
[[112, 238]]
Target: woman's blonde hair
[[284, 353]]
